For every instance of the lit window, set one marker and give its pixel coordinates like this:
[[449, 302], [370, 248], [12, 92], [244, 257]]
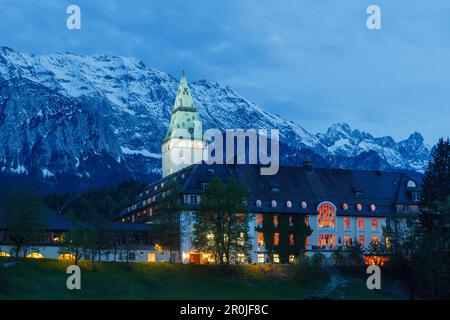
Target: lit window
[[348, 241], [66, 256], [361, 223], [326, 240], [260, 239], [241, 258], [274, 203], [276, 239], [291, 239], [361, 241], [359, 207], [346, 223], [276, 258], [275, 220], [374, 240], [259, 220], [291, 221], [35, 255], [261, 258], [374, 223], [326, 215], [388, 242], [292, 258], [4, 254]]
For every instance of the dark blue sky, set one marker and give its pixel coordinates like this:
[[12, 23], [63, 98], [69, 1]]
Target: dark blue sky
[[311, 61]]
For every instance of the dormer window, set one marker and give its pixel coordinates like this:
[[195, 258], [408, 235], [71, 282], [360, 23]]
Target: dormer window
[[411, 184]]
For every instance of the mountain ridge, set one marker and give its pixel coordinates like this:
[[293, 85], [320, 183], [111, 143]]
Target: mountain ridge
[[122, 107]]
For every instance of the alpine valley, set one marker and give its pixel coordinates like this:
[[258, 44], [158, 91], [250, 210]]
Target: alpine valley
[[70, 122]]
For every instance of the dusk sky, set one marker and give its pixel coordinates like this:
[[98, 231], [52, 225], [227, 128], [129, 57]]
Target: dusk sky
[[313, 62]]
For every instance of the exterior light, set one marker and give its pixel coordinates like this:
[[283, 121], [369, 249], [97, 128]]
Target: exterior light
[[274, 203], [359, 207], [373, 207], [304, 205], [258, 203], [289, 204]]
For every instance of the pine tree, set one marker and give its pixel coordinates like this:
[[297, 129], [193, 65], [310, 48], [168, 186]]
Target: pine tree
[[436, 185]]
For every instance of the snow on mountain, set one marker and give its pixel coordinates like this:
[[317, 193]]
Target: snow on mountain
[[92, 117]]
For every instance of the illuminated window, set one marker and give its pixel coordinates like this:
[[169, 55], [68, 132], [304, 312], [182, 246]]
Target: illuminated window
[[291, 221], [241, 258], [291, 239], [4, 254], [35, 255], [326, 216], [361, 241], [348, 241], [276, 258], [374, 223], [260, 239], [388, 242], [375, 240], [259, 220], [361, 223], [326, 240], [347, 223], [292, 258], [275, 220], [66, 256], [261, 258], [276, 239]]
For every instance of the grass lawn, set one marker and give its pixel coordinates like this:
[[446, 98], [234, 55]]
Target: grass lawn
[[46, 279]]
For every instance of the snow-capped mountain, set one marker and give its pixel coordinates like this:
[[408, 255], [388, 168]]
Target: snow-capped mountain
[[93, 120]]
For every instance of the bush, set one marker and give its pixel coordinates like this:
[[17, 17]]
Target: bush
[[304, 272], [318, 260]]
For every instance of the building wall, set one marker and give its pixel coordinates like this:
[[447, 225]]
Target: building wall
[[54, 252]]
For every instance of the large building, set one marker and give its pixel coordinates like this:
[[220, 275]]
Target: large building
[[340, 206]]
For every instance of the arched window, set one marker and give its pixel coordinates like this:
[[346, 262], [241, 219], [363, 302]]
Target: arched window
[[410, 184], [326, 215], [35, 255]]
